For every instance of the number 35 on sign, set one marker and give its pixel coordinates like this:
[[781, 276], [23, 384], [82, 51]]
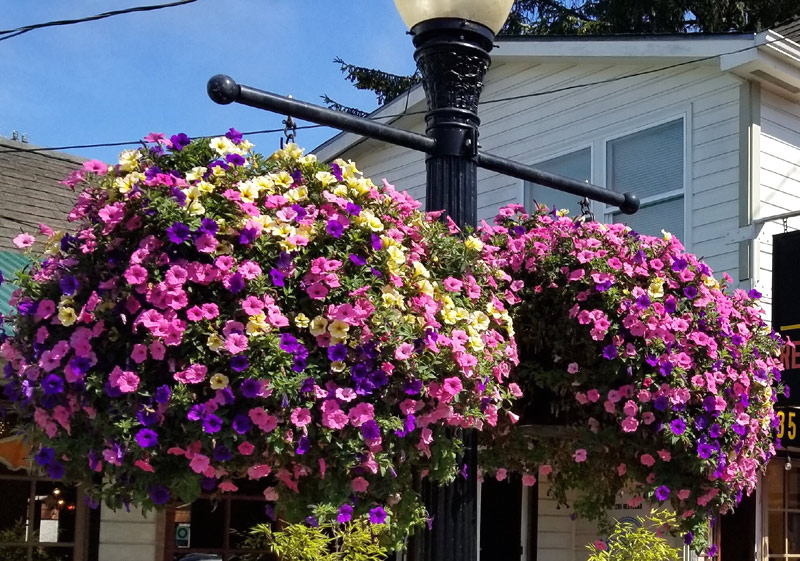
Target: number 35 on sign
[[787, 432]]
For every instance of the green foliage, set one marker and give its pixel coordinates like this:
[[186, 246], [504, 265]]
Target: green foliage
[[603, 17], [16, 534], [357, 541], [638, 542]]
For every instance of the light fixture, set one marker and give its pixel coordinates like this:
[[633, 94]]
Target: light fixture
[[490, 13]]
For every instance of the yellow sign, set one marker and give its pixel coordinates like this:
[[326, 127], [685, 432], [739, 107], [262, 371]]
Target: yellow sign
[[14, 453]]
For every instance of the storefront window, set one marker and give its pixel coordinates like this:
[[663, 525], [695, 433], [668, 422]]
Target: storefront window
[[783, 511], [40, 519], [215, 528]]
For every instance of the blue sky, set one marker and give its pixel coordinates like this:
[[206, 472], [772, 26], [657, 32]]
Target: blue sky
[[120, 78]]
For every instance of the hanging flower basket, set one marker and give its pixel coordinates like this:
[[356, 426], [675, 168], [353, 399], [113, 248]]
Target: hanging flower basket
[[662, 378], [220, 315]]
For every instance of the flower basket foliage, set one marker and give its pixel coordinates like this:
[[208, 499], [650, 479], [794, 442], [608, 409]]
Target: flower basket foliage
[[663, 380], [219, 315]]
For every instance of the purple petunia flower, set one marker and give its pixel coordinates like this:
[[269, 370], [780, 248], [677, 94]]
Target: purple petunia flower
[[278, 278], [334, 228], [303, 445], [239, 363], [53, 384], [178, 195], [670, 304], [337, 352], [643, 302], [662, 493], [412, 387], [679, 264], [377, 243], [179, 141], [357, 259], [377, 515], [208, 226], [80, 365], [158, 494], [222, 453], [147, 438], [312, 521], [353, 209], [69, 285], [677, 426], [336, 171], [178, 232], [235, 159], [236, 283], [688, 538], [162, 394], [345, 512], [289, 343], [233, 135], [754, 294], [610, 352], [248, 236], [196, 412], [715, 431], [660, 403], [250, 388], [241, 424], [690, 292], [211, 423], [705, 450], [370, 430], [709, 403], [55, 470], [45, 456]]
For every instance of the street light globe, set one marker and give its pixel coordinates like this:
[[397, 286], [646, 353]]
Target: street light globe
[[491, 13]]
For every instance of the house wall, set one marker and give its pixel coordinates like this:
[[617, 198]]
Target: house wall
[[534, 129], [779, 177]]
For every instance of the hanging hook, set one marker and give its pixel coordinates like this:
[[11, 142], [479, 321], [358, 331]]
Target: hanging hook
[[289, 130], [586, 210], [785, 225]]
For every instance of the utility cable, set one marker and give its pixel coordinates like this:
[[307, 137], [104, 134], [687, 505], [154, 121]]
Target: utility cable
[[10, 33]]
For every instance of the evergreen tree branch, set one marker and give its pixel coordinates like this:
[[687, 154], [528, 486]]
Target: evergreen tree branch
[[336, 106], [385, 85]]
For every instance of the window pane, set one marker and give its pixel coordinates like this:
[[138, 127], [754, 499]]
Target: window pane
[[55, 509], [575, 165], [208, 524], [793, 531], [775, 474], [776, 535], [649, 162], [650, 220], [14, 513]]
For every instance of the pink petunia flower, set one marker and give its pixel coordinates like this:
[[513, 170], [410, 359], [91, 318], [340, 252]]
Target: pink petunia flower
[[23, 240]]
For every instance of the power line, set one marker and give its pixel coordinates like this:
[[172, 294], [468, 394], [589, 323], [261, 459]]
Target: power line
[[9, 149], [11, 33], [411, 113]]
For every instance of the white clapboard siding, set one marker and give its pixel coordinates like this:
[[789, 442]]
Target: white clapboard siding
[[779, 177], [533, 129]]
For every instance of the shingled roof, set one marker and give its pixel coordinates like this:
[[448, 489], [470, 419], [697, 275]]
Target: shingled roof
[[790, 29], [30, 192]]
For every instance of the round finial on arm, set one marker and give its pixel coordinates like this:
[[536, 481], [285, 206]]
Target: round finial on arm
[[223, 89]]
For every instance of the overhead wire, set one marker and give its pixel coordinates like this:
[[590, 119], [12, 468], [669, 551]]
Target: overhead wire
[[16, 32], [411, 113]]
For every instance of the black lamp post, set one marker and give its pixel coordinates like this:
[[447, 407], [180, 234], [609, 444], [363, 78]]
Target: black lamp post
[[452, 39]]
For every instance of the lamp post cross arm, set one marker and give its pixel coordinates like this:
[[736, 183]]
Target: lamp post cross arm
[[224, 90]]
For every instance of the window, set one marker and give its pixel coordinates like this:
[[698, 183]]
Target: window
[[650, 164], [40, 519], [783, 511], [215, 528], [575, 165]]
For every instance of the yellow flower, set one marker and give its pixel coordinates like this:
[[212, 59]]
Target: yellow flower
[[301, 321], [308, 160], [476, 343], [338, 329], [337, 366], [562, 212], [710, 281], [196, 174], [297, 195], [479, 321], [667, 235], [218, 382], [420, 270], [67, 316], [396, 255], [129, 159], [656, 288], [425, 287], [222, 145], [392, 298], [340, 190], [318, 326], [257, 325], [449, 316], [325, 177], [245, 145], [196, 208], [473, 243], [215, 342], [249, 190]]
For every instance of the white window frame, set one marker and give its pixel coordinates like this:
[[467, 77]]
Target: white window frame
[[601, 161]]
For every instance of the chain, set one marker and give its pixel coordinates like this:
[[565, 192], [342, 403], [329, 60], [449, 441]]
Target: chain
[[586, 210], [785, 225], [289, 130]]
